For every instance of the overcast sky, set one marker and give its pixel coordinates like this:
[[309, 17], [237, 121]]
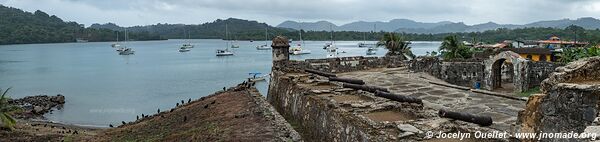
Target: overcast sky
[[273, 12]]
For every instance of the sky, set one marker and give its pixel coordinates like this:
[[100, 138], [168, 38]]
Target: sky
[[273, 12]]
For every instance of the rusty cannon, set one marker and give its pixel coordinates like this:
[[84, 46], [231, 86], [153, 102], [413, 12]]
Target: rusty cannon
[[321, 73], [367, 88], [477, 119], [398, 98], [347, 80]]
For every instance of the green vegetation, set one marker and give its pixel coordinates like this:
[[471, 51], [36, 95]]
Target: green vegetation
[[535, 90], [396, 45], [453, 48], [6, 111], [20, 27], [574, 54]]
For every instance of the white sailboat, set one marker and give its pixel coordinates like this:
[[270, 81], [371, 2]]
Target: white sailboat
[[266, 45], [225, 52], [188, 44], [124, 50], [117, 44], [331, 49], [364, 42], [297, 50]]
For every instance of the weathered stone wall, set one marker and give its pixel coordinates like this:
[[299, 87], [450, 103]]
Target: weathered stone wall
[[569, 102], [343, 64], [538, 71], [522, 73], [309, 106], [463, 73]]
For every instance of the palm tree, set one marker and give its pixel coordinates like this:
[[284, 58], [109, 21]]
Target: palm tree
[[6, 111], [452, 48], [396, 45]]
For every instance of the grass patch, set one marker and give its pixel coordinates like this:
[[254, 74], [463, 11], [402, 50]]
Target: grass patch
[[535, 90]]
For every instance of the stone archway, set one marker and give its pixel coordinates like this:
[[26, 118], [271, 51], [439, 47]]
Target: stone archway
[[493, 70]]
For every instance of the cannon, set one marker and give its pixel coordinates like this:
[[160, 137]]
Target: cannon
[[367, 88], [398, 98], [477, 119], [347, 80], [321, 73]]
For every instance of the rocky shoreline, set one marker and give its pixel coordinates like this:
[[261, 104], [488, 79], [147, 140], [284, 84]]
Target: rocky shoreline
[[34, 107]]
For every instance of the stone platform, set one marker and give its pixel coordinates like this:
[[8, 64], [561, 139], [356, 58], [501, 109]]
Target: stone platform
[[503, 111]]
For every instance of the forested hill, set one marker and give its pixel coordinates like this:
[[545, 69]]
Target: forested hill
[[238, 29], [21, 27]]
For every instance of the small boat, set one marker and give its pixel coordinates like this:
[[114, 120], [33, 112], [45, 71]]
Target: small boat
[[224, 52], [81, 40], [126, 51], [187, 45], [184, 49], [326, 45], [298, 50], [265, 46], [371, 51], [256, 78], [234, 46], [330, 47], [115, 45]]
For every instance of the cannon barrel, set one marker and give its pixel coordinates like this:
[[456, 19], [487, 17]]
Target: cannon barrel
[[321, 73], [367, 88], [347, 80], [398, 98], [477, 119]]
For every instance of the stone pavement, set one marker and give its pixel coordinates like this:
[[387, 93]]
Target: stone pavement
[[400, 81]]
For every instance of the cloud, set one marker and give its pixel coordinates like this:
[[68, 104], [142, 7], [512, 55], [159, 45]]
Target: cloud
[[143, 12]]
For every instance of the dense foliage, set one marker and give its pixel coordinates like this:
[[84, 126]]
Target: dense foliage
[[19, 27], [453, 48], [6, 111], [573, 54], [396, 45]]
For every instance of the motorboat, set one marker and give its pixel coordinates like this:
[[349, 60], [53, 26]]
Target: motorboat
[[126, 51], [184, 49], [263, 47], [256, 78], [371, 51], [298, 50], [225, 52]]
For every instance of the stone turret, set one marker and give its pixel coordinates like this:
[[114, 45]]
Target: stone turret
[[281, 52]]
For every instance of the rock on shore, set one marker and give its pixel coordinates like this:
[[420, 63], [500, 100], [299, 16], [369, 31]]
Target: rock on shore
[[36, 106]]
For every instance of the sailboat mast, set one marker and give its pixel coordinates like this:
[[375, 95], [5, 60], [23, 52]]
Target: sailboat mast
[[266, 37], [300, 31], [226, 36], [117, 36], [330, 28]]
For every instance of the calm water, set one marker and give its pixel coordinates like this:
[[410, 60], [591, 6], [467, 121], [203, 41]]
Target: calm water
[[102, 87]]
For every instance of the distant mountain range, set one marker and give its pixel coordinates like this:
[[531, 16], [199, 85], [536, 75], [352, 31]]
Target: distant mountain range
[[410, 26]]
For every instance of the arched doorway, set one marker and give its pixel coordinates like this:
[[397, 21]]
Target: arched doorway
[[504, 72], [502, 76]]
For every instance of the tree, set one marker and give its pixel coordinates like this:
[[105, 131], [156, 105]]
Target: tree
[[452, 48], [6, 110], [396, 45]]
